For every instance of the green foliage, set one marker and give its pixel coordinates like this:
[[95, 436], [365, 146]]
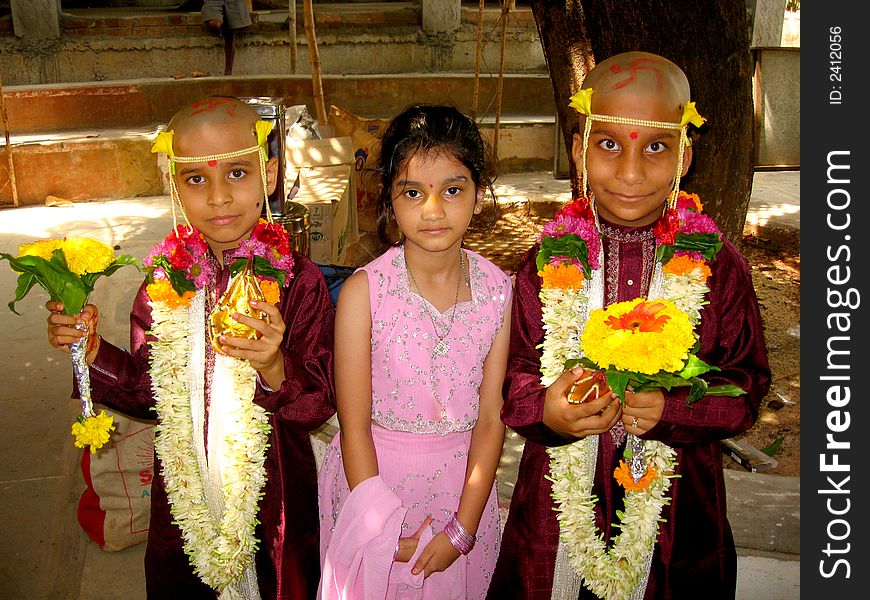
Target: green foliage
[[774, 447], [54, 277]]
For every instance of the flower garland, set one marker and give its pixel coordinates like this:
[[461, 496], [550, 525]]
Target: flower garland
[[216, 504], [569, 263]]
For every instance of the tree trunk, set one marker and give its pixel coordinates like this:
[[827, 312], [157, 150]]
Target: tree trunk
[[709, 40]]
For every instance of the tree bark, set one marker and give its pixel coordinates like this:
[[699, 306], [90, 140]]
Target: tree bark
[[709, 40]]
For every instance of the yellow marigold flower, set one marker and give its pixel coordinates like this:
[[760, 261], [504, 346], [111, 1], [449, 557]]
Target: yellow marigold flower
[[271, 290], [162, 291], [686, 265], [93, 431], [85, 255], [563, 276], [631, 336], [42, 248], [623, 476]]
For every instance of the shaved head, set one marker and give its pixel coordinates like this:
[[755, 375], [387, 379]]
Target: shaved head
[[215, 112], [639, 74]]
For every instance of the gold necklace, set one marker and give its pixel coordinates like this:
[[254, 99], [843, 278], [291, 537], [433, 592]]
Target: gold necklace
[[442, 347]]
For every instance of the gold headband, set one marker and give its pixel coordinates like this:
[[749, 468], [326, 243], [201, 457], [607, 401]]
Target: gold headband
[[582, 103], [163, 144]]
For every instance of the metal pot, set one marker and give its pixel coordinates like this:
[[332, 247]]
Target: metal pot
[[296, 222]]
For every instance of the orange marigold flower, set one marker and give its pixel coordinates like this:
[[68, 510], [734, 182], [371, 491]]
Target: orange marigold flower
[[640, 318], [694, 199], [623, 476], [685, 265], [162, 291], [562, 276], [271, 290]]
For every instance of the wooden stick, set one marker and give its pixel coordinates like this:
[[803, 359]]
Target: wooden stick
[[476, 93], [292, 23], [314, 57], [8, 146], [505, 12]]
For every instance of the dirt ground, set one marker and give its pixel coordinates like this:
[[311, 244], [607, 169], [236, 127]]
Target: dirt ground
[[774, 256]]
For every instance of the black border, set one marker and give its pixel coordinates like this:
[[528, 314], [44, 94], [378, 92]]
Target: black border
[[829, 254]]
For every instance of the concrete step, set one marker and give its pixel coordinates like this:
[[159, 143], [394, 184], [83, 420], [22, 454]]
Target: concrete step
[[90, 164]]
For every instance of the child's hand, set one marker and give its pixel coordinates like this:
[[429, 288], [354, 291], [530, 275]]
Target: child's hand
[[62, 330], [642, 410], [436, 556], [264, 353], [408, 546], [594, 415]]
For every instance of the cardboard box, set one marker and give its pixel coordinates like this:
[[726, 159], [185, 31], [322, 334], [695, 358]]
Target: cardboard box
[[324, 169]]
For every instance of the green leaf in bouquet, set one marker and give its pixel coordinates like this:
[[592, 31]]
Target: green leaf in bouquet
[[618, 381], [569, 245], [695, 366], [177, 279], [262, 268], [708, 244], [51, 275], [697, 390], [125, 260], [725, 390]]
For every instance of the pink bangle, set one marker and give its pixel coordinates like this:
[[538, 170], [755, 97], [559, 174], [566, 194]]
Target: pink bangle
[[458, 536], [396, 552]]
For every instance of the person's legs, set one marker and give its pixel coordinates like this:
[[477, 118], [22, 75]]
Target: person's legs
[[229, 50]]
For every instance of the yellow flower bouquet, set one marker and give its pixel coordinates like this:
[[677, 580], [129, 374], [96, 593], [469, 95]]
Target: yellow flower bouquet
[[646, 344], [68, 269]]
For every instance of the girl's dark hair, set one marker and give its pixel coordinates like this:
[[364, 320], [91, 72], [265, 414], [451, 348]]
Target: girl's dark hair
[[430, 129]]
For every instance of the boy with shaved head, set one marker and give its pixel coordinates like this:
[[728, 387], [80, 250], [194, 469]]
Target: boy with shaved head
[[231, 346], [620, 492]]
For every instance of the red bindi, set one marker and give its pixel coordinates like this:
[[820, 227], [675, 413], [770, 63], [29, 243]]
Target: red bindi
[[632, 135], [213, 163]]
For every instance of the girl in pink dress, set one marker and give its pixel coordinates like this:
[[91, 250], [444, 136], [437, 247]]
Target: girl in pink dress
[[407, 489]]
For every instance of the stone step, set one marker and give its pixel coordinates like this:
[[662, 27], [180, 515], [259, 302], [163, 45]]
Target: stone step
[[90, 164]]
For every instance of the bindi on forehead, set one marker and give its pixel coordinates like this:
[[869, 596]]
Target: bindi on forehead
[[631, 72]]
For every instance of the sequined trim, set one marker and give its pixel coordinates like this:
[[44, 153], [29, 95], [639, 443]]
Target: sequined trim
[[613, 239]]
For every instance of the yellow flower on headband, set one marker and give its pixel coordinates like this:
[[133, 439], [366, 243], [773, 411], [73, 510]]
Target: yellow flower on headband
[[690, 115], [163, 143], [264, 128], [582, 101]]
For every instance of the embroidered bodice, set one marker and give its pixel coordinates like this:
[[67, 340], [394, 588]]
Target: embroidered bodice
[[414, 389]]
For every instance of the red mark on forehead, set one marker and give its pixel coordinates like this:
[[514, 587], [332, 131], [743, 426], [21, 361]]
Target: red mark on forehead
[[210, 105], [212, 163], [639, 64], [632, 135], [430, 186]]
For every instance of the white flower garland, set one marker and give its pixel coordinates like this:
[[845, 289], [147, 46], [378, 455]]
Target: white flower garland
[[221, 549], [621, 572]]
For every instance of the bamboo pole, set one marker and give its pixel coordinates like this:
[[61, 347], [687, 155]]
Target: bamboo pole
[[292, 23], [505, 12], [8, 146], [314, 58], [475, 96]]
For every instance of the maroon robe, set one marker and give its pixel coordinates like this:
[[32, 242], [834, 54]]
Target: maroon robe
[[694, 555], [287, 559]]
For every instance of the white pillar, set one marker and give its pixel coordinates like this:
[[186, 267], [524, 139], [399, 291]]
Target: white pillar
[[36, 19], [441, 16]]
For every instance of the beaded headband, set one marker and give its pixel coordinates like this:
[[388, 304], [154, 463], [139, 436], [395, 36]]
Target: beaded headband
[[582, 103], [163, 144]]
